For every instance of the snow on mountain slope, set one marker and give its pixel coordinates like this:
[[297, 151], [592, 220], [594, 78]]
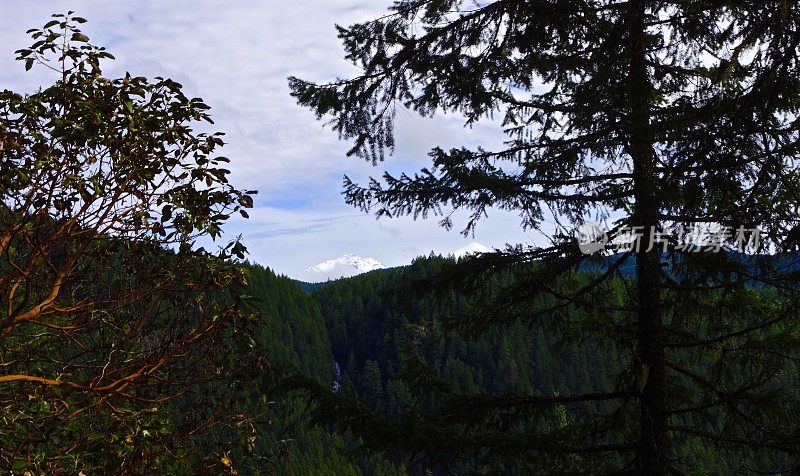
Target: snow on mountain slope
[[343, 266], [349, 265]]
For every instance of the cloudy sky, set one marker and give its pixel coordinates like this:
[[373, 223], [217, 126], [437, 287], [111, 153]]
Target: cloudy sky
[[237, 56]]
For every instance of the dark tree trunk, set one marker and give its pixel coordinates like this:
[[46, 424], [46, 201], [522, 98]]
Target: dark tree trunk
[[652, 457]]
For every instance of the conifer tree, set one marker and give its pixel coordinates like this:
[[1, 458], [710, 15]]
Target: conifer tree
[[651, 116]]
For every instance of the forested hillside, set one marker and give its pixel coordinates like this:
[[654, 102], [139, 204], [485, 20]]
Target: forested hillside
[[397, 355], [371, 327], [372, 319], [376, 340], [293, 339]]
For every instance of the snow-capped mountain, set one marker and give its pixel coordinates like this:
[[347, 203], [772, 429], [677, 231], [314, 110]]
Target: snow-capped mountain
[[349, 265], [471, 249], [343, 266]]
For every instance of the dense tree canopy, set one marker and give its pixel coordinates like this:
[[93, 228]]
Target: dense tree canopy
[[649, 114]]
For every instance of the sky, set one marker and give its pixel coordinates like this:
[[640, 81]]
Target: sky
[[237, 55]]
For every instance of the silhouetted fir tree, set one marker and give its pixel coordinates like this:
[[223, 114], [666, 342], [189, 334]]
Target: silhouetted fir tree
[[647, 113]]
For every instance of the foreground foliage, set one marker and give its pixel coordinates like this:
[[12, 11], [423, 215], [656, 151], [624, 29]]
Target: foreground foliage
[[119, 338]]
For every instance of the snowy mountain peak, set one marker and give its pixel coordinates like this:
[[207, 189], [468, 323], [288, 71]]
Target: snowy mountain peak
[[471, 249], [361, 264], [343, 266], [349, 265]]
